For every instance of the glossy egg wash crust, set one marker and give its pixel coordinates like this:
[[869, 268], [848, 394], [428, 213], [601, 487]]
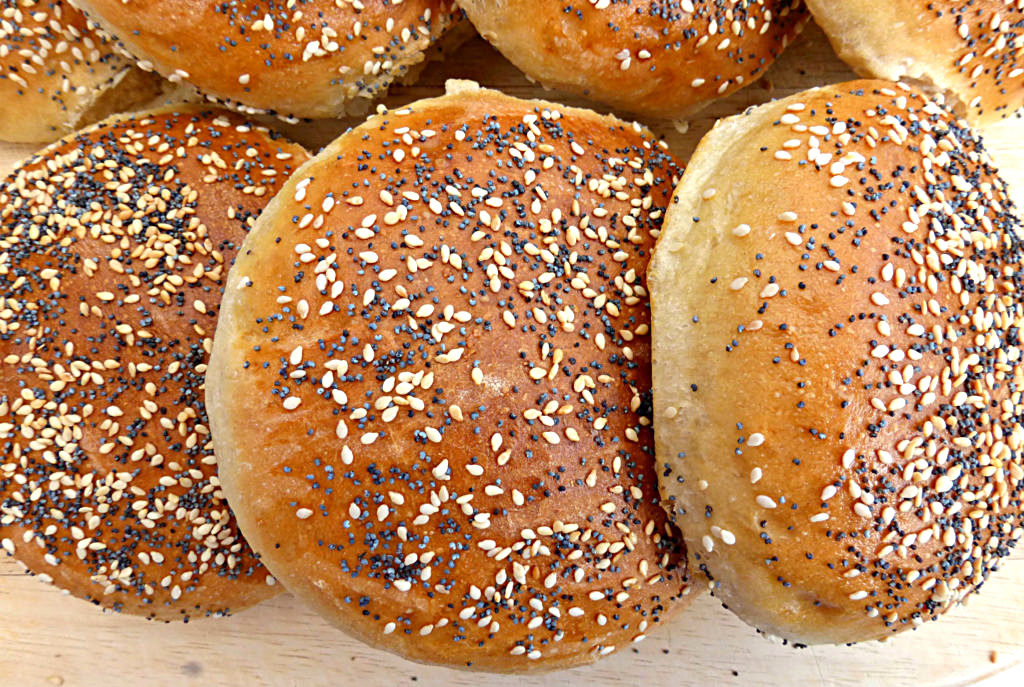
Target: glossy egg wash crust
[[431, 384], [973, 50], [660, 58], [114, 246], [305, 58], [837, 362], [57, 73]]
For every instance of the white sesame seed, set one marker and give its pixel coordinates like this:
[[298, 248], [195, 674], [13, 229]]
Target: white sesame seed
[[848, 457], [440, 471], [741, 230]]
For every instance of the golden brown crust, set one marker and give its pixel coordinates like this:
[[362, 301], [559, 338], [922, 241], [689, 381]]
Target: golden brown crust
[[114, 245], [836, 362], [57, 74], [439, 331], [661, 58], [973, 50], [311, 58]]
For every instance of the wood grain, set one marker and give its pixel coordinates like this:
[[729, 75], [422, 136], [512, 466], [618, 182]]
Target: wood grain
[[49, 640]]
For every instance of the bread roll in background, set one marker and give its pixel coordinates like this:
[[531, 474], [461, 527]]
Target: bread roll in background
[[114, 245], [969, 50], [837, 363], [315, 58], [430, 387], [57, 74], [655, 58]]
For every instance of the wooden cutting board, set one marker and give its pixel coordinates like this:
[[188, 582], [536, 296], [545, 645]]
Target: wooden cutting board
[[46, 639]]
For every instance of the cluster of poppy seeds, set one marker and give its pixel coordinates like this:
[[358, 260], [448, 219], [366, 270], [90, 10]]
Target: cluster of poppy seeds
[[290, 57], [885, 469], [662, 57], [113, 248], [446, 323]]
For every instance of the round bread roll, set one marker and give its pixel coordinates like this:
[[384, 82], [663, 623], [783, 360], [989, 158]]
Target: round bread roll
[[58, 74], [307, 58], [836, 362], [652, 57], [430, 384], [114, 245], [973, 50]]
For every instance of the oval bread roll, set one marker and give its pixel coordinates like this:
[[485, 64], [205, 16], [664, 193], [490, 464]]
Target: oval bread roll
[[430, 387], [837, 362], [114, 246], [58, 74], [972, 50], [303, 58], [657, 58]]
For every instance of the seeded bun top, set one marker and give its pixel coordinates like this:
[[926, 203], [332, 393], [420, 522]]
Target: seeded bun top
[[57, 74], [837, 367], [971, 49], [430, 386], [114, 244], [652, 57], [307, 58]]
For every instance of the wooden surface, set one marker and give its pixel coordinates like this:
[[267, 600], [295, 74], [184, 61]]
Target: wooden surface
[[46, 639]]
